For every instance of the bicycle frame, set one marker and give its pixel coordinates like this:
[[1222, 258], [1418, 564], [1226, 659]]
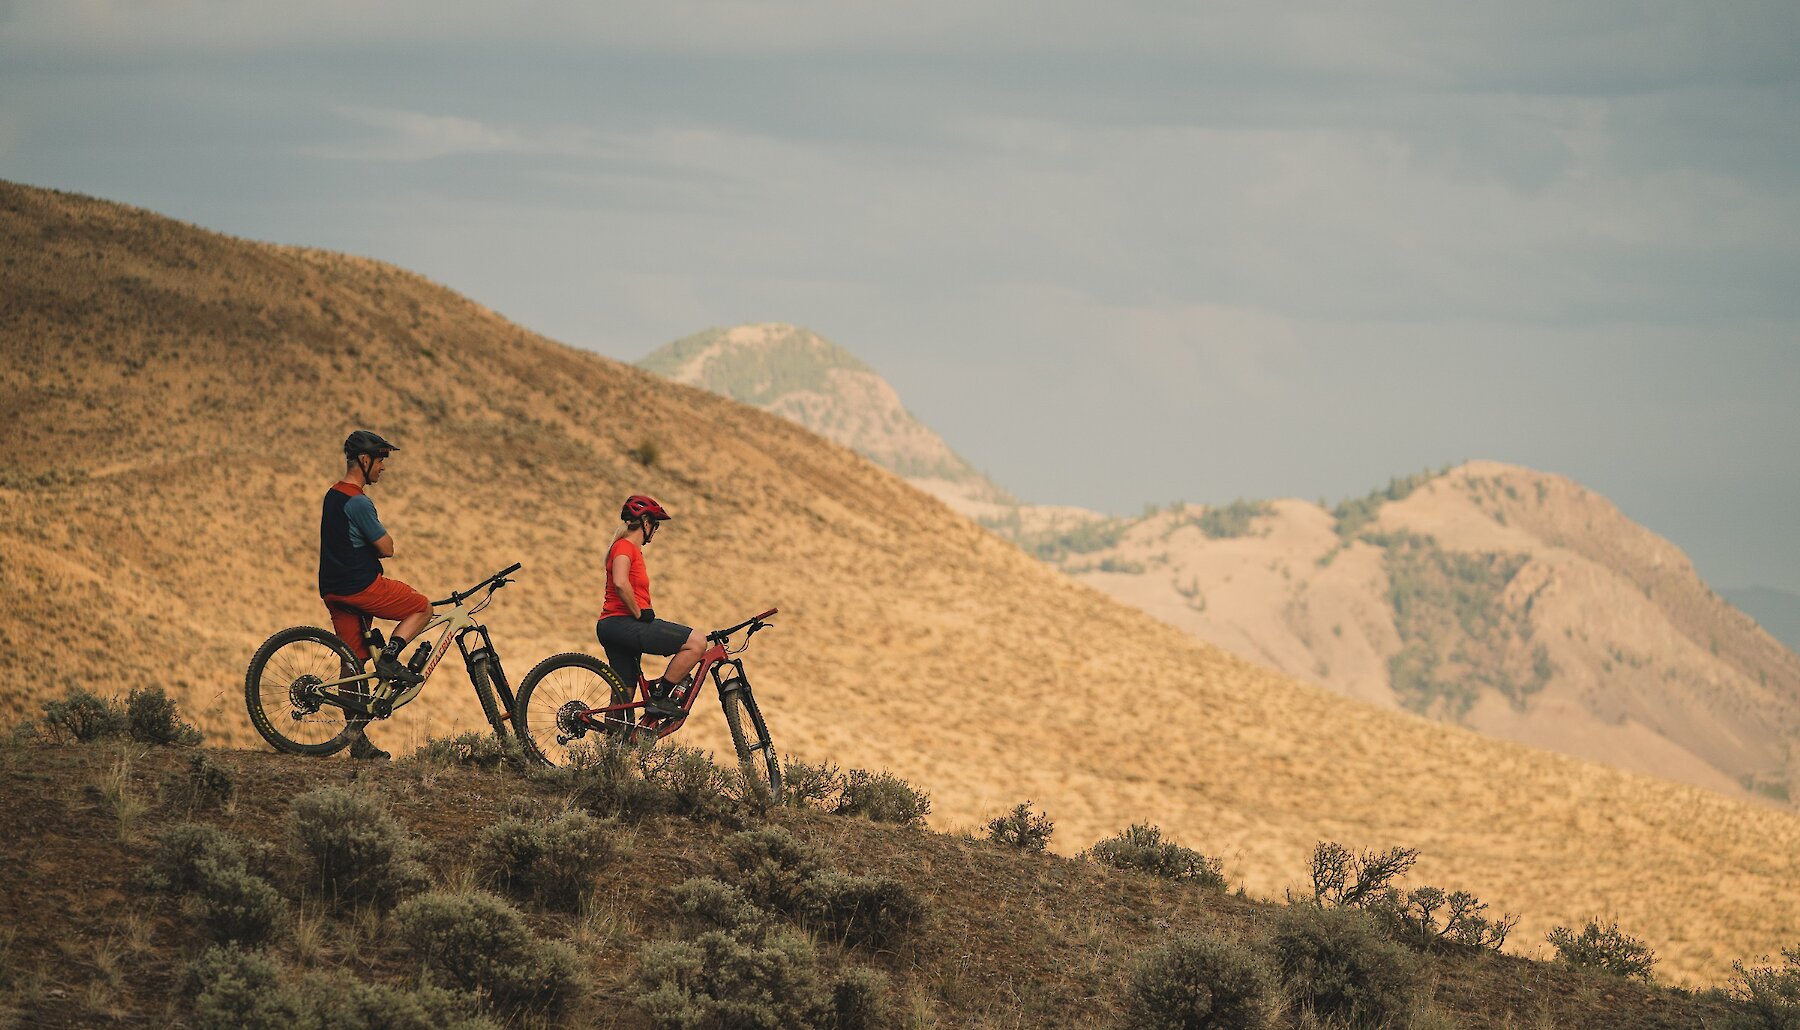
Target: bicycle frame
[[459, 621], [713, 661]]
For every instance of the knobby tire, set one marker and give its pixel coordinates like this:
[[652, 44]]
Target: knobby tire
[[554, 682], [750, 737], [271, 671]]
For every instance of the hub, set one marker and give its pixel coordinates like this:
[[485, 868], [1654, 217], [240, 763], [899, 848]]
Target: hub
[[569, 723], [303, 694]]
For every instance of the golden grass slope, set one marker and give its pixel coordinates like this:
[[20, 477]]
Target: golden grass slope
[[1652, 671], [174, 402]]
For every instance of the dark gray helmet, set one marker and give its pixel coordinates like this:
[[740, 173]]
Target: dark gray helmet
[[364, 442]]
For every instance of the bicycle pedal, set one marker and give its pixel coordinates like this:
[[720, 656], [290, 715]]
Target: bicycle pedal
[[382, 708]]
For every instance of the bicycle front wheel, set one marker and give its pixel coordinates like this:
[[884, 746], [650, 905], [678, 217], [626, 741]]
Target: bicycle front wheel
[[546, 714], [281, 691], [750, 737], [482, 666]]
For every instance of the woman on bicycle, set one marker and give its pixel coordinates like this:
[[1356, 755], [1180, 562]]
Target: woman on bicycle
[[628, 627]]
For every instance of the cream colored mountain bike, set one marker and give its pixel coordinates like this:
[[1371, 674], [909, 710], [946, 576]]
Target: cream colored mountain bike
[[308, 695]]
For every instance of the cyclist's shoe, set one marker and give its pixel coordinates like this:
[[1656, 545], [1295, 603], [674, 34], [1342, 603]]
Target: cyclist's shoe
[[395, 674], [361, 748], [663, 708]]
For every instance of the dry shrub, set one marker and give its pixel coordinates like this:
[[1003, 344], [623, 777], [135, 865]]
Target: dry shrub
[[861, 911], [1022, 828], [1143, 848], [806, 785], [151, 718], [715, 905], [884, 798], [1337, 963], [1200, 983], [773, 867], [204, 784], [184, 847], [237, 905], [478, 750], [233, 988], [1426, 918], [721, 979], [1430, 918], [359, 851], [552, 861], [859, 1001], [607, 780], [479, 943], [1342, 878], [81, 717], [1603, 948], [693, 785], [1768, 995]]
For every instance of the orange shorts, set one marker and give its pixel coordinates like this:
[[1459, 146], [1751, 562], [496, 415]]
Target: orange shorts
[[383, 599]]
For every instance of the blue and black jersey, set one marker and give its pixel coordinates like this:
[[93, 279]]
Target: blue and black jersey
[[348, 529]]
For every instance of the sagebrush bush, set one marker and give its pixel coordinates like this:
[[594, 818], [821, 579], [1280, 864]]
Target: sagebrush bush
[[1768, 995], [773, 866], [607, 780], [695, 786], [720, 979], [1143, 848], [552, 861], [233, 989], [1345, 878], [81, 717], [203, 784], [1337, 963], [882, 797], [1022, 828], [479, 943], [359, 851], [716, 905], [480, 750], [1200, 983], [1430, 918], [859, 1001], [184, 848], [151, 718], [1603, 948], [806, 785], [237, 905], [860, 911]]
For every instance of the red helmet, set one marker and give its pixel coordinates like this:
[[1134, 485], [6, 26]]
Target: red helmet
[[642, 506]]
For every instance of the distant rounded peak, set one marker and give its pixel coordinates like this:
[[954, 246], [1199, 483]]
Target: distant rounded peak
[[744, 361]]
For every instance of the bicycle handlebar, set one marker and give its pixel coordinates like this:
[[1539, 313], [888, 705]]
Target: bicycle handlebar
[[718, 636], [459, 597]]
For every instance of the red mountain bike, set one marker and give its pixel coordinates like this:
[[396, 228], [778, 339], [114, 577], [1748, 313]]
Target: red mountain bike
[[574, 700]]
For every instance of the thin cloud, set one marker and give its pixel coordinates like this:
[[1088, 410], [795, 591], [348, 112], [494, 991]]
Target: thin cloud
[[416, 136]]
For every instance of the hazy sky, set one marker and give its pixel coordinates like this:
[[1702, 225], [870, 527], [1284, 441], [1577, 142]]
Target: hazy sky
[[1114, 253]]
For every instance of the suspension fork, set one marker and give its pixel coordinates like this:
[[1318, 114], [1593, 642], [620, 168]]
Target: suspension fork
[[736, 677], [497, 675]]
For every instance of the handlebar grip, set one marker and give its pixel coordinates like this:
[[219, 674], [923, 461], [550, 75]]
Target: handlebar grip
[[509, 570]]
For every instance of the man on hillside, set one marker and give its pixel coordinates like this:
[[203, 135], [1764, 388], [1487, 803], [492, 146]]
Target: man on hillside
[[352, 543]]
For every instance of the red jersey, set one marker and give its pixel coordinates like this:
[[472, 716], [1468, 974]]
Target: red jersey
[[639, 578]]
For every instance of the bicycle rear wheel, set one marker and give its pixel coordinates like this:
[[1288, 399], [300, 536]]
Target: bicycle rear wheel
[[750, 737], [552, 696], [280, 691]]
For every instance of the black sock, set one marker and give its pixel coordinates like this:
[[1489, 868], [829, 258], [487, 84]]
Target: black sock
[[395, 645]]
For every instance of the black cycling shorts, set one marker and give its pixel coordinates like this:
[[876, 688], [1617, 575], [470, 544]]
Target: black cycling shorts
[[627, 640]]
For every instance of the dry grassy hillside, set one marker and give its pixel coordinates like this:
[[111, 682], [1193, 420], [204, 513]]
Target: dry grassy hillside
[[1559, 622], [174, 400]]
